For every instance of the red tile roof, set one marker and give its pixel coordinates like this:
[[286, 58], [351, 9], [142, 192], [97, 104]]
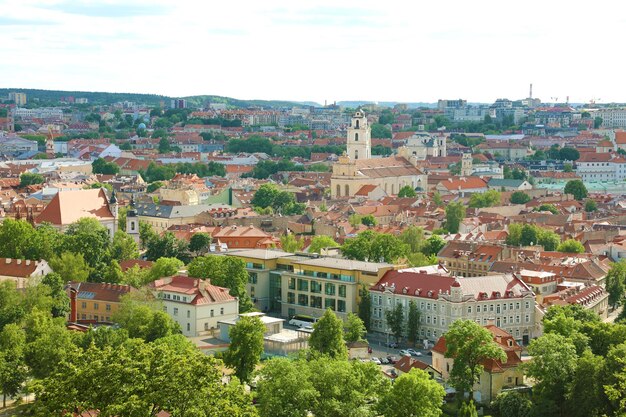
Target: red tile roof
[[100, 291], [17, 267], [69, 206], [202, 290]]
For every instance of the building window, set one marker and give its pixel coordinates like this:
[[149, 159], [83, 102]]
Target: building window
[[329, 303], [107, 307], [527, 304], [341, 306], [303, 299], [188, 327], [188, 314], [316, 301], [316, 287], [222, 311], [342, 291], [527, 318], [83, 305], [356, 135], [292, 283], [291, 298], [252, 277], [303, 285], [469, 309], [95, 306], [478, 309], [212, 313], [330, 289], [176, 311]]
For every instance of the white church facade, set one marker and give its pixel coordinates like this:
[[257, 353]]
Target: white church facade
[[357, 168]]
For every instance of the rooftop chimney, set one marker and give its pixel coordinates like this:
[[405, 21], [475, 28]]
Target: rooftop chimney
[[73, 313]]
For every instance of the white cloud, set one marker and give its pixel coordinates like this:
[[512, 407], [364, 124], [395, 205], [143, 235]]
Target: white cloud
[[317, 50]]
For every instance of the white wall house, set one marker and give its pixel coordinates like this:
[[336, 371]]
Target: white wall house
[[195, 304], [441, 300]]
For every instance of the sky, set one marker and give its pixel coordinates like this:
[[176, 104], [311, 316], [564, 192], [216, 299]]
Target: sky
[[323, 50]]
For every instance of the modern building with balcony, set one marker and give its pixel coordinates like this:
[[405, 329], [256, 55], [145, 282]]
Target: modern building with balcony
[[287, 284]]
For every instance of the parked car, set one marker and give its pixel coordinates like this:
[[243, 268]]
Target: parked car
[[376, 360], [392, 359], [414, 352], [405, 353], [393, 373], [392, 345], [383, 360]]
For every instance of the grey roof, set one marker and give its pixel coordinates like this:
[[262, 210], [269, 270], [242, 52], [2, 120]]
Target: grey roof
[[495, 182], [172, 212], [258, 253], [346, 264]]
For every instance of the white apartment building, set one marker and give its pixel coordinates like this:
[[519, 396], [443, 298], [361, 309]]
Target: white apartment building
[[611, 118], [441, 300], [195, 304], [598, 167]]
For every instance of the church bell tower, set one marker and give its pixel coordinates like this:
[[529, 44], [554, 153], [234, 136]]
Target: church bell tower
[[359, 137]]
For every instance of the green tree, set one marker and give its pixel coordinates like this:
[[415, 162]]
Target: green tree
[[469, 344], [615, 283], [567, 167], [487, 199], [142, 317], [437, 199], [265, 196], [327, 337], [45, 243], [285, 389], [468, 410], [369, 220], [387, 248], [553, 365], [571, 246], [152, 187], [224, 271], [91, 239], [16, 236], [165, 246], [146, 233], [290, 243], [585, 395], [413, 394], [591, 205], [28, 178], [199, 243], [519, 197], [547, 207], [413, 322], [407, 191], [419, 259], [354, 328], [379, 131], [164, 267], [512, 404], [597, 122], [433, 245], [56, 285], [71, 266], [100, 166], [320, 242], [395, 321], [365, 306], [577, 189], [455, 213], [246, 346], [615, 380], [413, 236], [13, 370], [569, 154], [123, 247], [345, 388], [164, 146]]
